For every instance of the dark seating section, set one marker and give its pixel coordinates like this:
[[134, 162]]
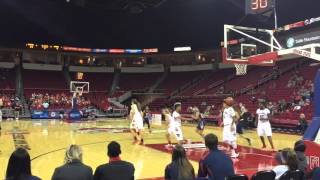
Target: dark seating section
[[7, 86], [137, 81], [7, 77], [176, 80]]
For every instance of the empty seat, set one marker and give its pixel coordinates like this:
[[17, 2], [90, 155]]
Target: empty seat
[[264, 175], [238, 177]]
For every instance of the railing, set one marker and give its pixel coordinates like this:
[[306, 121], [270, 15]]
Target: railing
[[213, 85], [194, 82], [268, 78]]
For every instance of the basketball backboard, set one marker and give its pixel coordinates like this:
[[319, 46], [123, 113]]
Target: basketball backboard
[[244, 46], [79, 87]]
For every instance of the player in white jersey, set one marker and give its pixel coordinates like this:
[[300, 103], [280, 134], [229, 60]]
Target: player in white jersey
[[263, 116], [172, 128], [136, 125], [229, 126], [178, 118]]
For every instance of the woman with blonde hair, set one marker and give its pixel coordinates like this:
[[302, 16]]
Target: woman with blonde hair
[[73, 168]]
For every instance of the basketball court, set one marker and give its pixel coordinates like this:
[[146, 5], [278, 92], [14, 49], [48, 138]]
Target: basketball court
[[47, 132], [150, 159]]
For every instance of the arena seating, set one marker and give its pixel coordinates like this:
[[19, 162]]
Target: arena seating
[[137, 81], [273, 89], [175, 80], [7, 86], [205, 84], [98, 81], [7, 79]]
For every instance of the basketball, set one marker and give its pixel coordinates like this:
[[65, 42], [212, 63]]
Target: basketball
[[229, 101]]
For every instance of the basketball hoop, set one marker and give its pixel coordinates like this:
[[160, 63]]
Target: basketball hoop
[[78, 87], [241, 69]]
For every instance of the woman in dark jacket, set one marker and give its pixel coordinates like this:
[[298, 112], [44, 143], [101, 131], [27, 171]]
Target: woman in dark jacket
[[299, 148], [19, 166], [180, 168], [73, 169]]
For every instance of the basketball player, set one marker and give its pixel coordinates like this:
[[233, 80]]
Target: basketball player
[[177, 117], [198, 117], [173, 128], [147, 117], [136, 126], [241, 124], [263, 116], [229, 126]]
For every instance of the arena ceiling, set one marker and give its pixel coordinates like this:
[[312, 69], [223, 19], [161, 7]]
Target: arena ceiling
[[160, 24]]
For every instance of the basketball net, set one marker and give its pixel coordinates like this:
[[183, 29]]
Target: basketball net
[[79, 90], [241, 69]]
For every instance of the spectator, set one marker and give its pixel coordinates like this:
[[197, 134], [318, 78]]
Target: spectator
[[303, 124], [19, 166], [73, 169], [287, 160], [180, 168], [316, 174], [300, 148], [116, 168], [215, 165]]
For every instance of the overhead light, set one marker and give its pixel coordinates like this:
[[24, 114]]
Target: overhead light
[[180, 49]]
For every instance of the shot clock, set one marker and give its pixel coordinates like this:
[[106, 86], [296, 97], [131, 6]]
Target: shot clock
[[259, 6]]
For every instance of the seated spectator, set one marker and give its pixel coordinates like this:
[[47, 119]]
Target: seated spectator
[[73, 169], [300, 148], [316, 174], [303, 124], [215, 165], [116, 168], [287, 160], [180, 168], [19, 166]]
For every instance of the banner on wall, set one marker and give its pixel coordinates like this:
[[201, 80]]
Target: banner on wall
[[37, 114]]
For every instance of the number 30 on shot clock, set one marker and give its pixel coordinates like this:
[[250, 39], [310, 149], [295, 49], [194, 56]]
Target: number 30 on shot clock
[[259, 6]]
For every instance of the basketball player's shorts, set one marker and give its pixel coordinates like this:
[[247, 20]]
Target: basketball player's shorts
[[176, 131], [201, 125], [229, 136], [137, 124], [264, 129], [240, 127]]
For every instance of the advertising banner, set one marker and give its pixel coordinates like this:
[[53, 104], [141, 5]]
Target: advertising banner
[[74, 115], [301, 39], [37, 114]]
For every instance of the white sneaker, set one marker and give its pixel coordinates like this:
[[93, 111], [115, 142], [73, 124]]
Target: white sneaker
[[234, 155]]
